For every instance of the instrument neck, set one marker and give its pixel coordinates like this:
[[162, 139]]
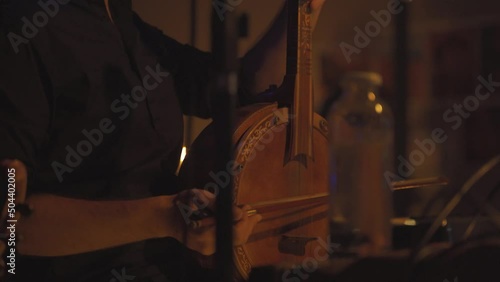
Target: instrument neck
[[299, 48], [299, 68]]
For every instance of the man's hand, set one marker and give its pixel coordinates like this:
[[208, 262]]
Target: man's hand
[[17, 168], [20, 183], [202, 239], [21, 172]]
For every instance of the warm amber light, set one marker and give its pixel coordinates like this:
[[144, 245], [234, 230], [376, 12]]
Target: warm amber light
[[371, 96], [183, 154], [410, 222], [378, 108]]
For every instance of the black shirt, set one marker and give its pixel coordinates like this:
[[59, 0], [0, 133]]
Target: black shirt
[[95, 111], [94, 108]]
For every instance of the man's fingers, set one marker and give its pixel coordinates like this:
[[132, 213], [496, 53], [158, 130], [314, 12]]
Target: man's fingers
[[244, 227], [241, 213], [238, 214], [256, 218], [17, 165], [197, 199], [17, 170], [253, 220], [203, 199], [246, 207]]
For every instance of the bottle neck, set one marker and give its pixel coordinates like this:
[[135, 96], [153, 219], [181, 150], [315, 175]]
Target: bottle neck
[[359, 91]]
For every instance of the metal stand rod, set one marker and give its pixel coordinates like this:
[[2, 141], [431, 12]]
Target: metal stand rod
[[224, 48], [401, 77], [188, 135]]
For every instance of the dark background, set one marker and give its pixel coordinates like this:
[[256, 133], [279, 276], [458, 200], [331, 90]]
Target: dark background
[[450, 43]]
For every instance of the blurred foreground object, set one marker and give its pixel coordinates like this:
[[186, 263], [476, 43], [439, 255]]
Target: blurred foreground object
[[361, 148]]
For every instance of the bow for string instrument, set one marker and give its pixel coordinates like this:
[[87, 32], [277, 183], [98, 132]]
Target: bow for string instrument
[[281, 152], [323, 199]]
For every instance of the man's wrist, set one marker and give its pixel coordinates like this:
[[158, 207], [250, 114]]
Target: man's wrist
[[169, 214]]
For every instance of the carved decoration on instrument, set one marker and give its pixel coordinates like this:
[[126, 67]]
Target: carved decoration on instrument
[[254, 136], [243, 262]]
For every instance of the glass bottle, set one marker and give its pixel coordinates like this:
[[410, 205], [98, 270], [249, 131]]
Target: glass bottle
[[361, 150]]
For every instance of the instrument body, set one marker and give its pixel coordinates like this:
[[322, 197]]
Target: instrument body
[[280, 152], [262, 172]]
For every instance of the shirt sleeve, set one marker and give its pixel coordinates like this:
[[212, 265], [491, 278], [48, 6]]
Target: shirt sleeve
[[24, 110]]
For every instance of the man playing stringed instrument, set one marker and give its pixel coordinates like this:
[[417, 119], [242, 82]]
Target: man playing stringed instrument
[[91, 104]]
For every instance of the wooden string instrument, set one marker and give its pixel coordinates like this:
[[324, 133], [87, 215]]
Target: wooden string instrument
[[281, 152]]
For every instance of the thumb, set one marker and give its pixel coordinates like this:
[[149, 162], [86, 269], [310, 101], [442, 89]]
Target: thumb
[[17, 178], [16, 167], [255, 219]]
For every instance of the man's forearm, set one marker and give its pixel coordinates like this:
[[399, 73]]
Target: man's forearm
[[61, 226]]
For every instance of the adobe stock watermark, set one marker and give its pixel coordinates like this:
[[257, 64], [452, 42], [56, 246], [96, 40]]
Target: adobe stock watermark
[[221, 8], [310, 264], [454, 116], [372, 29], [49, 9], [122, 107], [220, 180], [121, 276]]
